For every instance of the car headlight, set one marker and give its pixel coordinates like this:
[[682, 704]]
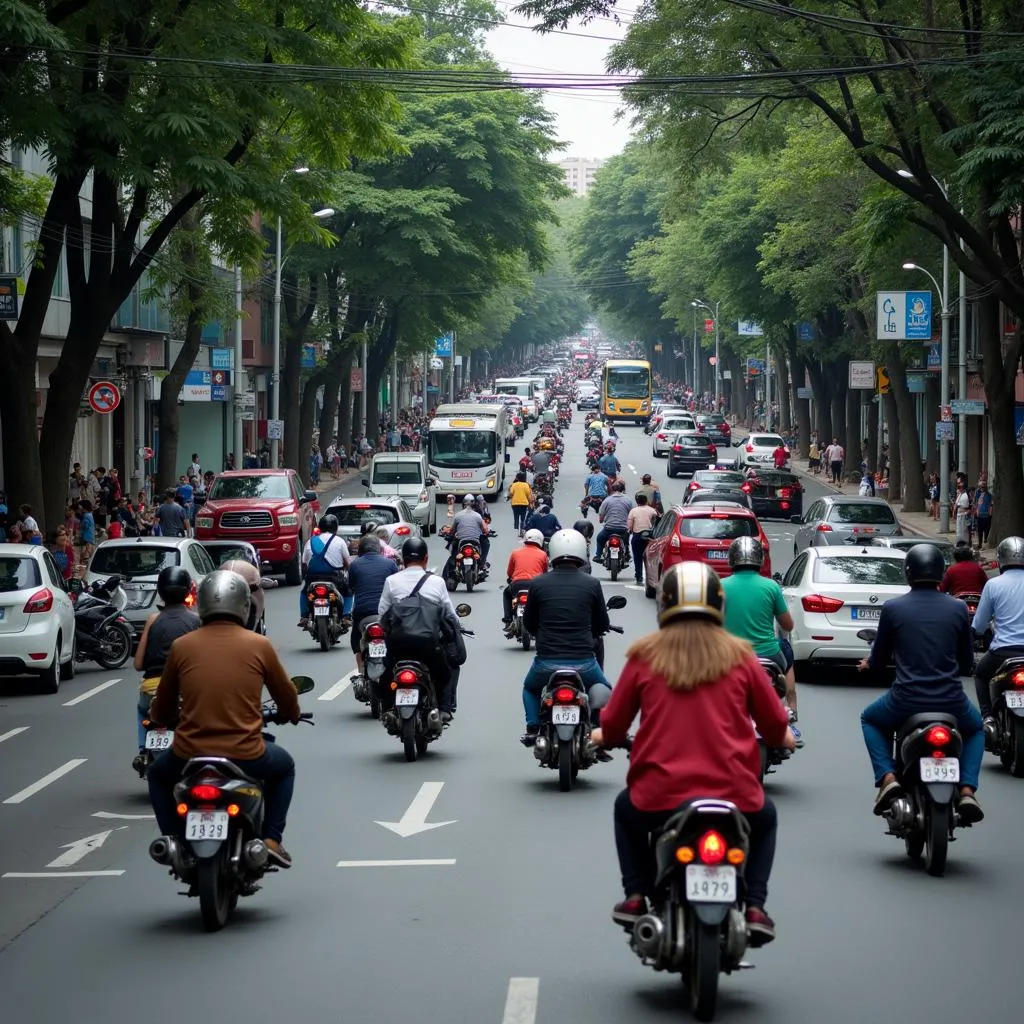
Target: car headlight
[[204, 522], [490, 481], [288, 519]]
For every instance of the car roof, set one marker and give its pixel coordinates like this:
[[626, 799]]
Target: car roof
[[853, 499], [148, 542], [224, 542], [710, 506], [856, 551], [256, 472], [376, 500], [21, 549]]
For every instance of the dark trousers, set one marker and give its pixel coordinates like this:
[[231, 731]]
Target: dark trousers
[[837, 471], [633, 830], [639, 546], [275, 769], [988, 665], [442, 677], [984, 525], [519, 516], [507, 594]]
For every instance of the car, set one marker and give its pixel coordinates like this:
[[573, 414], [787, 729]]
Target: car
[[719, 479], [844, 519], [139, 560], [269, 508], [758, 450], [720, 496], [394, 513], [221, 551], [717, 427], [700, 533], [664, 435], [658, 414], [588, 401], [405, 475], [37, 617], [777, 494], [832, 593], [906, 543], [690, 452]]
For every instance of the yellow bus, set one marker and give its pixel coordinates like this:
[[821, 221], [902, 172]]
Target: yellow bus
[[626, 390]]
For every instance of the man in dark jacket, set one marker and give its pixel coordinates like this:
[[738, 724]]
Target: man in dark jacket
[[366, 576]]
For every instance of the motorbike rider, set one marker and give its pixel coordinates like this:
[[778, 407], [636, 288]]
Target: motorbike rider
[[695, 687], [1002, 606], [613, 515], [565, 613], [212, 684], [595, 490], [468, 525], [382, 533], [608, 463], [325, 557], [367, 575], [653, 492], [523, 564], [928, 635], [542, 460], [526, 462], [162, 628], [965, 575], [543, 518]]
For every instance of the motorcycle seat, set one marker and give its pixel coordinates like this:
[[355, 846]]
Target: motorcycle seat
[[926, 718], [569, 676], [220, 764]]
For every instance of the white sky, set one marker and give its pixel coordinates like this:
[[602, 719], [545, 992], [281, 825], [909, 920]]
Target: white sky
[[586, 121]]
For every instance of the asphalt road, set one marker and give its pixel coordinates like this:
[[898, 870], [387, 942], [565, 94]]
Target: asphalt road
[[510, 923]]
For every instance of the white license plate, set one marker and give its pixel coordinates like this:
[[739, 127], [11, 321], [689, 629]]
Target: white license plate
[[871, 614], [321, 609], [614, 554], [710, 885], [718, 556], [520, 611], [1014, 700], [378, 649], [565, 716], [467, 561], [940, 769], [159, 739], [407, 697], [206, 825]]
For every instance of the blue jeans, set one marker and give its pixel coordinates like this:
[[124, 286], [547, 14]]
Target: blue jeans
[[639, 546], [603, 535], [143, 712], [880, 720], [598, 687], [519, 516]]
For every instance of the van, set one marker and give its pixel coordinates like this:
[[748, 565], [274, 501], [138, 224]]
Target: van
[[404, 475]]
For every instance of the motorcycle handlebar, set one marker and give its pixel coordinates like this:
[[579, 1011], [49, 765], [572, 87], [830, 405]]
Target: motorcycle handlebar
[[616, 629]]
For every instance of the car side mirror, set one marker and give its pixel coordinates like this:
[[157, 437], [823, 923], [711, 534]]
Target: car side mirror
[[777, 576], [365, 482], [307, 497], [462, 610], [430, 482], [303, 684], [618, 601], [798, 520], [867, 634]]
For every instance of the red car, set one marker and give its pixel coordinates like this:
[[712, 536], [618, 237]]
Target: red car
[[269, 508], [700, 533]]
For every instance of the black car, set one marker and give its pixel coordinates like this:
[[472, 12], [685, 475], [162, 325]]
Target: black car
[[690, 452], [718, 496], [716, 429], [777, 494]]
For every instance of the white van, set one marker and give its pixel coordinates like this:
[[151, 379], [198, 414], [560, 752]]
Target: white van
[[405, 475]]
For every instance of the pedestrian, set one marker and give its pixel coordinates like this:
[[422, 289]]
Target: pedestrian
[[58, 544], [961, 508], [520, 494], [194, 469], [640, 522], [172, 517], [834, 455], [814, 458], [933, 496], [983, 513], [87, 529]]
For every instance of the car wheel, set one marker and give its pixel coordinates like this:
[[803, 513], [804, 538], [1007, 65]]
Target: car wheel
[[800, 673], [49, 679], [293, 572], [67, 670]]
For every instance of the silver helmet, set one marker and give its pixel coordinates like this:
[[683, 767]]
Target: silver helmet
[[567, 546], [1010, 553], [746, 553], [223, 593]]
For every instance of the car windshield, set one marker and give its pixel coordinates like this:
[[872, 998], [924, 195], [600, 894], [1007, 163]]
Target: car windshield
[[18, 573], [697, 439], [862, 512], [707, 478], [463, 448], [133, 560], [221, 553], [356, 515], [629, 383], [766, 441], [397, 473], [721, 526], [886, 572], [225, 488]]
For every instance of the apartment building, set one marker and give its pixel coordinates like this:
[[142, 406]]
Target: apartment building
[[579, 172]]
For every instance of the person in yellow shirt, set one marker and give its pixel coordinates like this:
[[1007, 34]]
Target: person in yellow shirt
[[521, 495]]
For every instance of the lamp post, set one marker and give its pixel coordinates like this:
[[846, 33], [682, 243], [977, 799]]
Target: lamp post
[[718, 372], [944, 384], [696, 348]]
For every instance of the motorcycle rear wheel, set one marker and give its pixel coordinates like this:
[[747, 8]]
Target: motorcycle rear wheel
[[524, 639], [323, 633], [936, 838], [119, 637], [614, 571], [217, 898], [704, 968], [409, 738], [566, 776], [1016, 765]]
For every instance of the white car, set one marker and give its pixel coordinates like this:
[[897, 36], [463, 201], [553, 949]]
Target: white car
[[758, 449], [832, 593], [665, 434], [37, 617]]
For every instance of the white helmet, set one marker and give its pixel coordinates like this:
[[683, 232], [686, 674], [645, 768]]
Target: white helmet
[[567, 545], [468, 499], [534, 537]]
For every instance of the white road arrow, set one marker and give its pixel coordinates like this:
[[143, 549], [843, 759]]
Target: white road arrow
[[81, 848], [414, 820]]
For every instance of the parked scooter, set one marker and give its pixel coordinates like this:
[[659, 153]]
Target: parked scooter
[[102, 633]]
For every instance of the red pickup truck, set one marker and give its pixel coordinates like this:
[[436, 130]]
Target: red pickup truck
[[269, 508]]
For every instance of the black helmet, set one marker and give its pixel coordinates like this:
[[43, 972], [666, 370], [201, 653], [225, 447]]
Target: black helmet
[[746, 553], [924, 565], [173, 584], [414, 550], [584, 526], [329, 523]]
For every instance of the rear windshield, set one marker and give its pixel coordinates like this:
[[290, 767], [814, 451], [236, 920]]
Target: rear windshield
[[677, 422], [137, 560], [857, 512], [906, 543], [352, 515], [695, 439], [718, 495], [18, 573], [397, 473], [863, 569], [714, 527], [277, 488], [227, 553], [724, 478], [766, 440]]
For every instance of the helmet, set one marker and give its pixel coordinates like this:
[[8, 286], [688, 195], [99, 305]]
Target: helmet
[[567, 546], [173, 584], [1010, 553], [924, 564], [223, 593], [690, 589], [544, 510], [468, 499], [329, 523], [534, 537], [585, 527], [746, 553], [414, 550], [544, 444]]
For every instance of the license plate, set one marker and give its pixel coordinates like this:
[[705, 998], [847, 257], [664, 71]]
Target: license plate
[[467, 561], [206, 825], [695, 451], [565, 716], [873, 614], [159, 739], [521, 610], [1014, 700], [940, 769], [378, 649], [407, 697], [710, 885], [613, 554], [321, 609], [719, 556], [863, 529]]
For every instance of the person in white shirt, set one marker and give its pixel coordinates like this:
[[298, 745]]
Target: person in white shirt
[[194, 468], [962, 507], [323, 557]]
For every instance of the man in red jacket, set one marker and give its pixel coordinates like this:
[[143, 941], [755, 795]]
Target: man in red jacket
[[965, 575]]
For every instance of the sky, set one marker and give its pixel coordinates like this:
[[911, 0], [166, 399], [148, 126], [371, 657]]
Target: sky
[[586, 121]]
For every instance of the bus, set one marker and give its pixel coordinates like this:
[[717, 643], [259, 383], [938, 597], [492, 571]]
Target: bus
[[626, 390], [467, 449]]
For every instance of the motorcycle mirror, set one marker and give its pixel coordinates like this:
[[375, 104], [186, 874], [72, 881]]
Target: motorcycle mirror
[[618, 601], [303, 684], [462, 610], [867, 634]]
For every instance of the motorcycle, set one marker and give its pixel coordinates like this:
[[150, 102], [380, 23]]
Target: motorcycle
[[520, 594], [772, 757], [325, 623], [373, 646], [589, 503], [563, 740], [158, 739], [615, 557], [467, 566], [1007, 737], [221, 855], [102, 633], [981, 643]]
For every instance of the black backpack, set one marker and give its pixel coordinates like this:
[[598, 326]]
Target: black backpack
[[414, 622]]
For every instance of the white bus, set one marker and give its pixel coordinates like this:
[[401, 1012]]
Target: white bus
[[525, 388], [467, 449]]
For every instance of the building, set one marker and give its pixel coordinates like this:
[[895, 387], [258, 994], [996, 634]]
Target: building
[[579, 172]]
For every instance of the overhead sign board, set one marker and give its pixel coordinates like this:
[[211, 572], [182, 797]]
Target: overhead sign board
[[967, 407], [862, 375], [222, 358], [903, 316], [749, 329], [443, 346]]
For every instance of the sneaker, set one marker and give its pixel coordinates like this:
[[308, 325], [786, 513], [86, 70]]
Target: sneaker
[[278, 854], [446, 717], [596, 558], [798, 736], [760, 927], [628, 912], [602, 755], [969, 811], [529, 738], [886, 795], [139, 762], [302, 623]]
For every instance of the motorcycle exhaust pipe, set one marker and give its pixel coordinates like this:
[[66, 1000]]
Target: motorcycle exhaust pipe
[[255, 854], [160, 850], [648, 933], [541, 749]]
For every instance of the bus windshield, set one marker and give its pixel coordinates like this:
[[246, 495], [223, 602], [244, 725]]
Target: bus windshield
[[629, 382], [463, 449]]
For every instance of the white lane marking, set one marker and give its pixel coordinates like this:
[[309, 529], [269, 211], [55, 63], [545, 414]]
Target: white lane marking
[[61, 874], [414, 820], [338, 688], [633, 468], [57, 773], [82, 848], [91, 693], [124, 817], [395, 863], [521, 1001], [11, 733]]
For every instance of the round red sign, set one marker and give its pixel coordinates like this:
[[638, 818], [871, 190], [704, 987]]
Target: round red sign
[[104, 397]]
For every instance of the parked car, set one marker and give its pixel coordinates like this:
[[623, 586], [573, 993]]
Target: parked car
[[832, 592], [906, 543], [719, 497], [758, 450], [699, 533], [664, 436], [405, 475], [394, 513], [269, 508], [139, 560], [777, 494], [37, 617], [689, 453], [224, 551], [844, 519]]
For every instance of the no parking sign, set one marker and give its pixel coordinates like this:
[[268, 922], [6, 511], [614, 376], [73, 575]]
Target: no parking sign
[[104, 397]]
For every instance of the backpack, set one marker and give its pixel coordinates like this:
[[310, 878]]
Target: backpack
[[414, 622]]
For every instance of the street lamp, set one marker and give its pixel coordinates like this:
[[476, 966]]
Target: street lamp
[[718, 361], [944, 386]]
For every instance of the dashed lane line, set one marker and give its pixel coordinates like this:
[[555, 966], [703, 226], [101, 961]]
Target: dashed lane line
[[436, 863], [69, 766], [338, 688], [11, 733], [61, 874], [521, 1001], [91, 693]]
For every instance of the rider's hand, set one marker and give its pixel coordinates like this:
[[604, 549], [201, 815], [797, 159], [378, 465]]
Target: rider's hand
[[596, 736], [790, 740], [863, 665]]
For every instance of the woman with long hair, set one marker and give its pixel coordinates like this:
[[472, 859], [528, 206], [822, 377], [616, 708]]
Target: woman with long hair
[[696, 688]]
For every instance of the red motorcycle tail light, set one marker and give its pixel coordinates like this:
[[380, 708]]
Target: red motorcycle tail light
[[469, 552], [523, 597], [375, 632], [204, 792], [938, 736], [712, 848], [407, 676], [1018, 677], [320, 590], [565, 695]]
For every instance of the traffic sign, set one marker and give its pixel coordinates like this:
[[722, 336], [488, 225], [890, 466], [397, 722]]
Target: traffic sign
[[709, 326], [883, 380], [967, 407], [104, 397], [147, 453], [946, 413], [943, 431], [275, 430]]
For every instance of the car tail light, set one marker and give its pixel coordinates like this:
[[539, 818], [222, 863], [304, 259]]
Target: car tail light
[[712, 848], [746, 488], [750, 448], [676, 541], [784, 505], [362, 506], [694, 486], [40, 601], [712, 449], [566, 695], [824, 528], [192, 596], [375, 631], [402, 531], [677, 448], [204, 792], [938, 736], [523, 597], [1018, 677], [719, 515], [785, 492], [320, 590], [407, 676], [821, 604]]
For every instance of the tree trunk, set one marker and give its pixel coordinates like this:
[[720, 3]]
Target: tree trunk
[[307, 414], [892, 419], [872, 452], [909, 439], [837, 398], [345, 400], [822, 404], [291, 371], [853, 441], [782, 391], [329, 414], [170, 388]]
